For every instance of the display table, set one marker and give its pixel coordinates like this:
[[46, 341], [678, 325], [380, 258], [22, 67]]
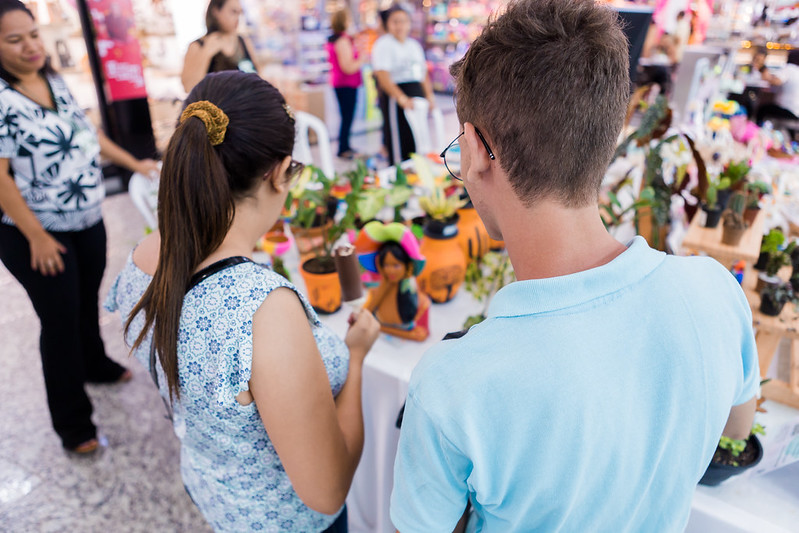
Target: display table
[[702, 240]]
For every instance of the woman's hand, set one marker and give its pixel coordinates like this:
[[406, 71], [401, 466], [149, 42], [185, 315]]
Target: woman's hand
[[432, 102], [363, 332], [213, 43], [405, 102], [148, 168], [46, 254]]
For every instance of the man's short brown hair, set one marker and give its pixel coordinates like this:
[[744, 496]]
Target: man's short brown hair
[[548, 82]]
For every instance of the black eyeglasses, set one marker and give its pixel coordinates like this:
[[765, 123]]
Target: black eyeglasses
[[443, 154]]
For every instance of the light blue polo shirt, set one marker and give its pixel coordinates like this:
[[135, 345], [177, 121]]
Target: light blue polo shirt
[[587, 402]]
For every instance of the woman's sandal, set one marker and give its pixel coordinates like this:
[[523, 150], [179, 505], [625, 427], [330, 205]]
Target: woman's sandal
[[84, 448]]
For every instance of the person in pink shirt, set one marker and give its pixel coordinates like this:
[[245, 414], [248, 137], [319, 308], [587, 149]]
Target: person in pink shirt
[[345, 76]]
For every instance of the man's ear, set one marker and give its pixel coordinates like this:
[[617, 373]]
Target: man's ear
[[479, 161]]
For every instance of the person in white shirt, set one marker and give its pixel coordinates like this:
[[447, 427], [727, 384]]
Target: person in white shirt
[[786, 102], [401, 71]]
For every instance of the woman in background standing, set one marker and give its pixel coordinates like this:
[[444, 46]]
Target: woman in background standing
[[222, 48], [401, 72], [52, 237], [345, 76]]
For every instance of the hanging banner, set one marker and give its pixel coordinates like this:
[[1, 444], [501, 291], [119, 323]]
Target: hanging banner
[[118, 49]]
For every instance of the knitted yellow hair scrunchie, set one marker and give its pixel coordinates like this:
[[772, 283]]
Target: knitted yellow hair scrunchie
[[215, 119]]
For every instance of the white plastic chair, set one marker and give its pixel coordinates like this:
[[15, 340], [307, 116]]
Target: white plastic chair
[[420, 127], [144, 193], [302, 146]]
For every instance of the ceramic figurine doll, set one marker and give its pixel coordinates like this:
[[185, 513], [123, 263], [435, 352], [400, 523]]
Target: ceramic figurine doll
[[392, 251]]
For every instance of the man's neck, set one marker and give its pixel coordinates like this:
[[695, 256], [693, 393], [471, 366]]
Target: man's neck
[[550, 240]]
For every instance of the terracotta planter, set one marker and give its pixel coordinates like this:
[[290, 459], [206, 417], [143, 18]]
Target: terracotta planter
[[732, 235], [495, 246], [472, 234], [323, 288], [446, 264], [750, 214], [310, 240]]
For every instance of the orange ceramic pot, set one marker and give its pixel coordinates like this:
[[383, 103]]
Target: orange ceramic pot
[[311, 240], [445, 268], [472, 234], [323, 288]]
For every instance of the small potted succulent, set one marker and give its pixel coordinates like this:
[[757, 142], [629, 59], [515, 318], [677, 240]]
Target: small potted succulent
[[733, 457], [774, 297], [754, 192], [712, 206], [734, 224], [446, 264]]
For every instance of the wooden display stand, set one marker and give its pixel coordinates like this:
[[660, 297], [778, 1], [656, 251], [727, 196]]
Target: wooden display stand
[[770, 330], [700, 239]]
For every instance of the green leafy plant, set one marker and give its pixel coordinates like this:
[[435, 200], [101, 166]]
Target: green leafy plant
[[439, 206], [307, 200], [736, 172], [777, 256], [713, 188], [735, 447], [484, 277]]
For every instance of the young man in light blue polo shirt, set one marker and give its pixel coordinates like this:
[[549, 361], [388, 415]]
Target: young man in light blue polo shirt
[[593, 396]]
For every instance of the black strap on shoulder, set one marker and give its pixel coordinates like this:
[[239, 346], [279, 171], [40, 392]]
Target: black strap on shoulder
[[210, 270]]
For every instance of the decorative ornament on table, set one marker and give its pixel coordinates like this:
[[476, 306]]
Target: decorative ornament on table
[[446, 263], [392, 251], [309, 201]]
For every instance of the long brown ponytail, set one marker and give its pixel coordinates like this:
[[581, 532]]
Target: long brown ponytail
[[200, 183]]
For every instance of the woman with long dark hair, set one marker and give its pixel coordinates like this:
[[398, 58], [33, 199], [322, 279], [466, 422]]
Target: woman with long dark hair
[[345, 76], [52, 237], [270, 398], [222, 48]]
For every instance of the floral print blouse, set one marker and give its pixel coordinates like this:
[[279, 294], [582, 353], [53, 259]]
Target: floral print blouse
[[53, 156]]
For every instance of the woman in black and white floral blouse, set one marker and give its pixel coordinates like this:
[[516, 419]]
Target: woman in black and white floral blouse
[[52, 237]]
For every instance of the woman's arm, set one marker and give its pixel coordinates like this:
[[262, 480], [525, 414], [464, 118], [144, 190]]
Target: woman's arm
[[123, 158], [45, 250], [427, 85], [346, 57], [388, 86], [198, 59], [250, 52], [318, 438]]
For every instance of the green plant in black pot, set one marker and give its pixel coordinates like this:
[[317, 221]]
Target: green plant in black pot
[[712, 207], [777, 257], [774, 297], [733, 456]]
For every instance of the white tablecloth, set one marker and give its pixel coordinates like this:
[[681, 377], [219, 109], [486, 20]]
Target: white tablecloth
[[757, 504]]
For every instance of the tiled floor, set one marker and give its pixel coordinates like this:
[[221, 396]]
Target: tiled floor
[[134, 483]]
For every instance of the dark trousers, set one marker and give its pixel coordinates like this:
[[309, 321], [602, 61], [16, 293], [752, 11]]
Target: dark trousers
[[407, 144], [346, 103], [71, 348]]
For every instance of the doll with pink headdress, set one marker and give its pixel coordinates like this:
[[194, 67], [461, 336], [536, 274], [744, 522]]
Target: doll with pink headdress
[[392, 251]]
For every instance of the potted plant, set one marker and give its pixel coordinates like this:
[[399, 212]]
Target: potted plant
[[769, 243], [484, 278], [774, 297], [734, 224], [754, 191], [309, 204], [777, 257], [735, 173], [446, 264], [318, 270], [473, 235], [712, 207], [734, 456]]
